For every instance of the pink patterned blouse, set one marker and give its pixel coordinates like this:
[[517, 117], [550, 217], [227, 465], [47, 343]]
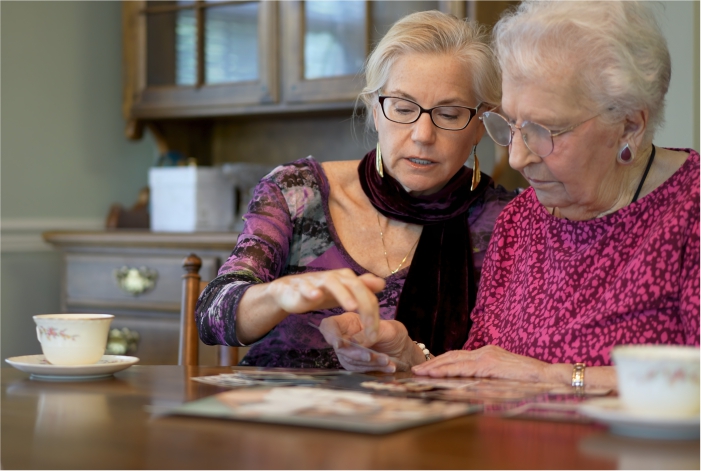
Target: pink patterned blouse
[[569, 291]]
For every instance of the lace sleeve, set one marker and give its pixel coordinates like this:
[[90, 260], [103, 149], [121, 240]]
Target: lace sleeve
[[259, 257]]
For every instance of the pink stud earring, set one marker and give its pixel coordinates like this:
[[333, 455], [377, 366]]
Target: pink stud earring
[[625, 155]]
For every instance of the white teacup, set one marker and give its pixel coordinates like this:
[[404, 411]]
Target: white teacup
[[73, 339], [658, 380]]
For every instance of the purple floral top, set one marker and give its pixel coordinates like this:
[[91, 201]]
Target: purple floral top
[[288, 230]]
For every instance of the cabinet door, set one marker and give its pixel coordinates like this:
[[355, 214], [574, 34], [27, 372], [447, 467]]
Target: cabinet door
[[324, 46], [199, 58], [325, 43]]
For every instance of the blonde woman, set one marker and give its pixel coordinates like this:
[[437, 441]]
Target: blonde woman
[[398, 235]]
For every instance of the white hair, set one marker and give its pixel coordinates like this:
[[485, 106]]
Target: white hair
[[433, 32], [614, 50]]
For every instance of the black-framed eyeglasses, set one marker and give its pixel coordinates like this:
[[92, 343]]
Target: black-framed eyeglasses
[[537, 137], [450, 118]]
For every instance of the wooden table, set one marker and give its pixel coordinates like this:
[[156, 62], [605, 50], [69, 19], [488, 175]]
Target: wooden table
[[111, 424]]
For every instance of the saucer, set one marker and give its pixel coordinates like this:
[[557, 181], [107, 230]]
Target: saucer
[[41, 369], [622, 421]]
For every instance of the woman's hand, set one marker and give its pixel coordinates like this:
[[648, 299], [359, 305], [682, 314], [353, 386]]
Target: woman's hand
[[313, 291], [494, 362], [487, 362], [265, 305], [392, 350]]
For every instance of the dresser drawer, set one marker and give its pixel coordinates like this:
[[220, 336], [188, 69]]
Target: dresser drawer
[[128, 282]]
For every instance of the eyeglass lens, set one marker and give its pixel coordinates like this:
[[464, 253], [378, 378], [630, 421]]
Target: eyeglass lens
[[497, 127], [537, 138], [446, 117]]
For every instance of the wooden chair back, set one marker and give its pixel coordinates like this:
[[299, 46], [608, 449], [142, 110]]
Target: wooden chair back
[[189, 338]]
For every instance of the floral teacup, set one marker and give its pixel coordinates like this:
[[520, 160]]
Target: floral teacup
[[73, 339], [658, 380]]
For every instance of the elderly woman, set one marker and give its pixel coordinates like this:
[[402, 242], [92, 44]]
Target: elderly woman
[[603, 249], [409, 221]]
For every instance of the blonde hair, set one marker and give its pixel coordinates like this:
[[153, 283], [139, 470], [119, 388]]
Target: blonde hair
[[433, 32], [614, 50]]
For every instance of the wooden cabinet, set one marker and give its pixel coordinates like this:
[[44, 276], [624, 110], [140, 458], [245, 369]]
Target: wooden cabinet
[[94, 268], [226, 58]]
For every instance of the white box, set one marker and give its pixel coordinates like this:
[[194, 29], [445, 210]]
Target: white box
[[189, 199]]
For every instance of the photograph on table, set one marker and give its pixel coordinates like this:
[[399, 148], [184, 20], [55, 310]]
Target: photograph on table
[[323, 408]]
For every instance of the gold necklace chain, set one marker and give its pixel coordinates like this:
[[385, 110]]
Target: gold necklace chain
[[382, 238]]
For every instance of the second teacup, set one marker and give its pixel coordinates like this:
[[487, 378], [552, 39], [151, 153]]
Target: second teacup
[[658, 380], [73, 339]]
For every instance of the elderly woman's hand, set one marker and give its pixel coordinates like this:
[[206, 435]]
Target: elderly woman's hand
[[393, 350], [326, 289], [487, 362]]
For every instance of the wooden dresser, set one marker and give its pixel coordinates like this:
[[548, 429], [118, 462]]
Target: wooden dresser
[[137, 276]]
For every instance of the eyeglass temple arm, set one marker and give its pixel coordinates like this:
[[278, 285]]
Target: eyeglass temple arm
[[554, 134]]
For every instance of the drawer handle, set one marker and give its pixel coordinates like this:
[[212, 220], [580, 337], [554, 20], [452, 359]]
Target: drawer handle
[[136, 281]]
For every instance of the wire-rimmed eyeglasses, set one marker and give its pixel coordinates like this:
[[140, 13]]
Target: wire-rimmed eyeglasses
[[537, 137], [450, 118]]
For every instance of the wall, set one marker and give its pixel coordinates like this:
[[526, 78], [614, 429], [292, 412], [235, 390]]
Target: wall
[[64, 158], [679, 21]]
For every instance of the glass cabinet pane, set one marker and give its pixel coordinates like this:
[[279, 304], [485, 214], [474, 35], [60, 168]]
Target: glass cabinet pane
[[334, 38], [171, 44], [231, 43], [186, 48], [384, 14]]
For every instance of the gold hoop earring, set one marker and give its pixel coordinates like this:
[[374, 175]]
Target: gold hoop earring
[[476, 174], [378, 161]]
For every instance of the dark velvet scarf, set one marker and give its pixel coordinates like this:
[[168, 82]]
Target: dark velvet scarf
[[440, 289]]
